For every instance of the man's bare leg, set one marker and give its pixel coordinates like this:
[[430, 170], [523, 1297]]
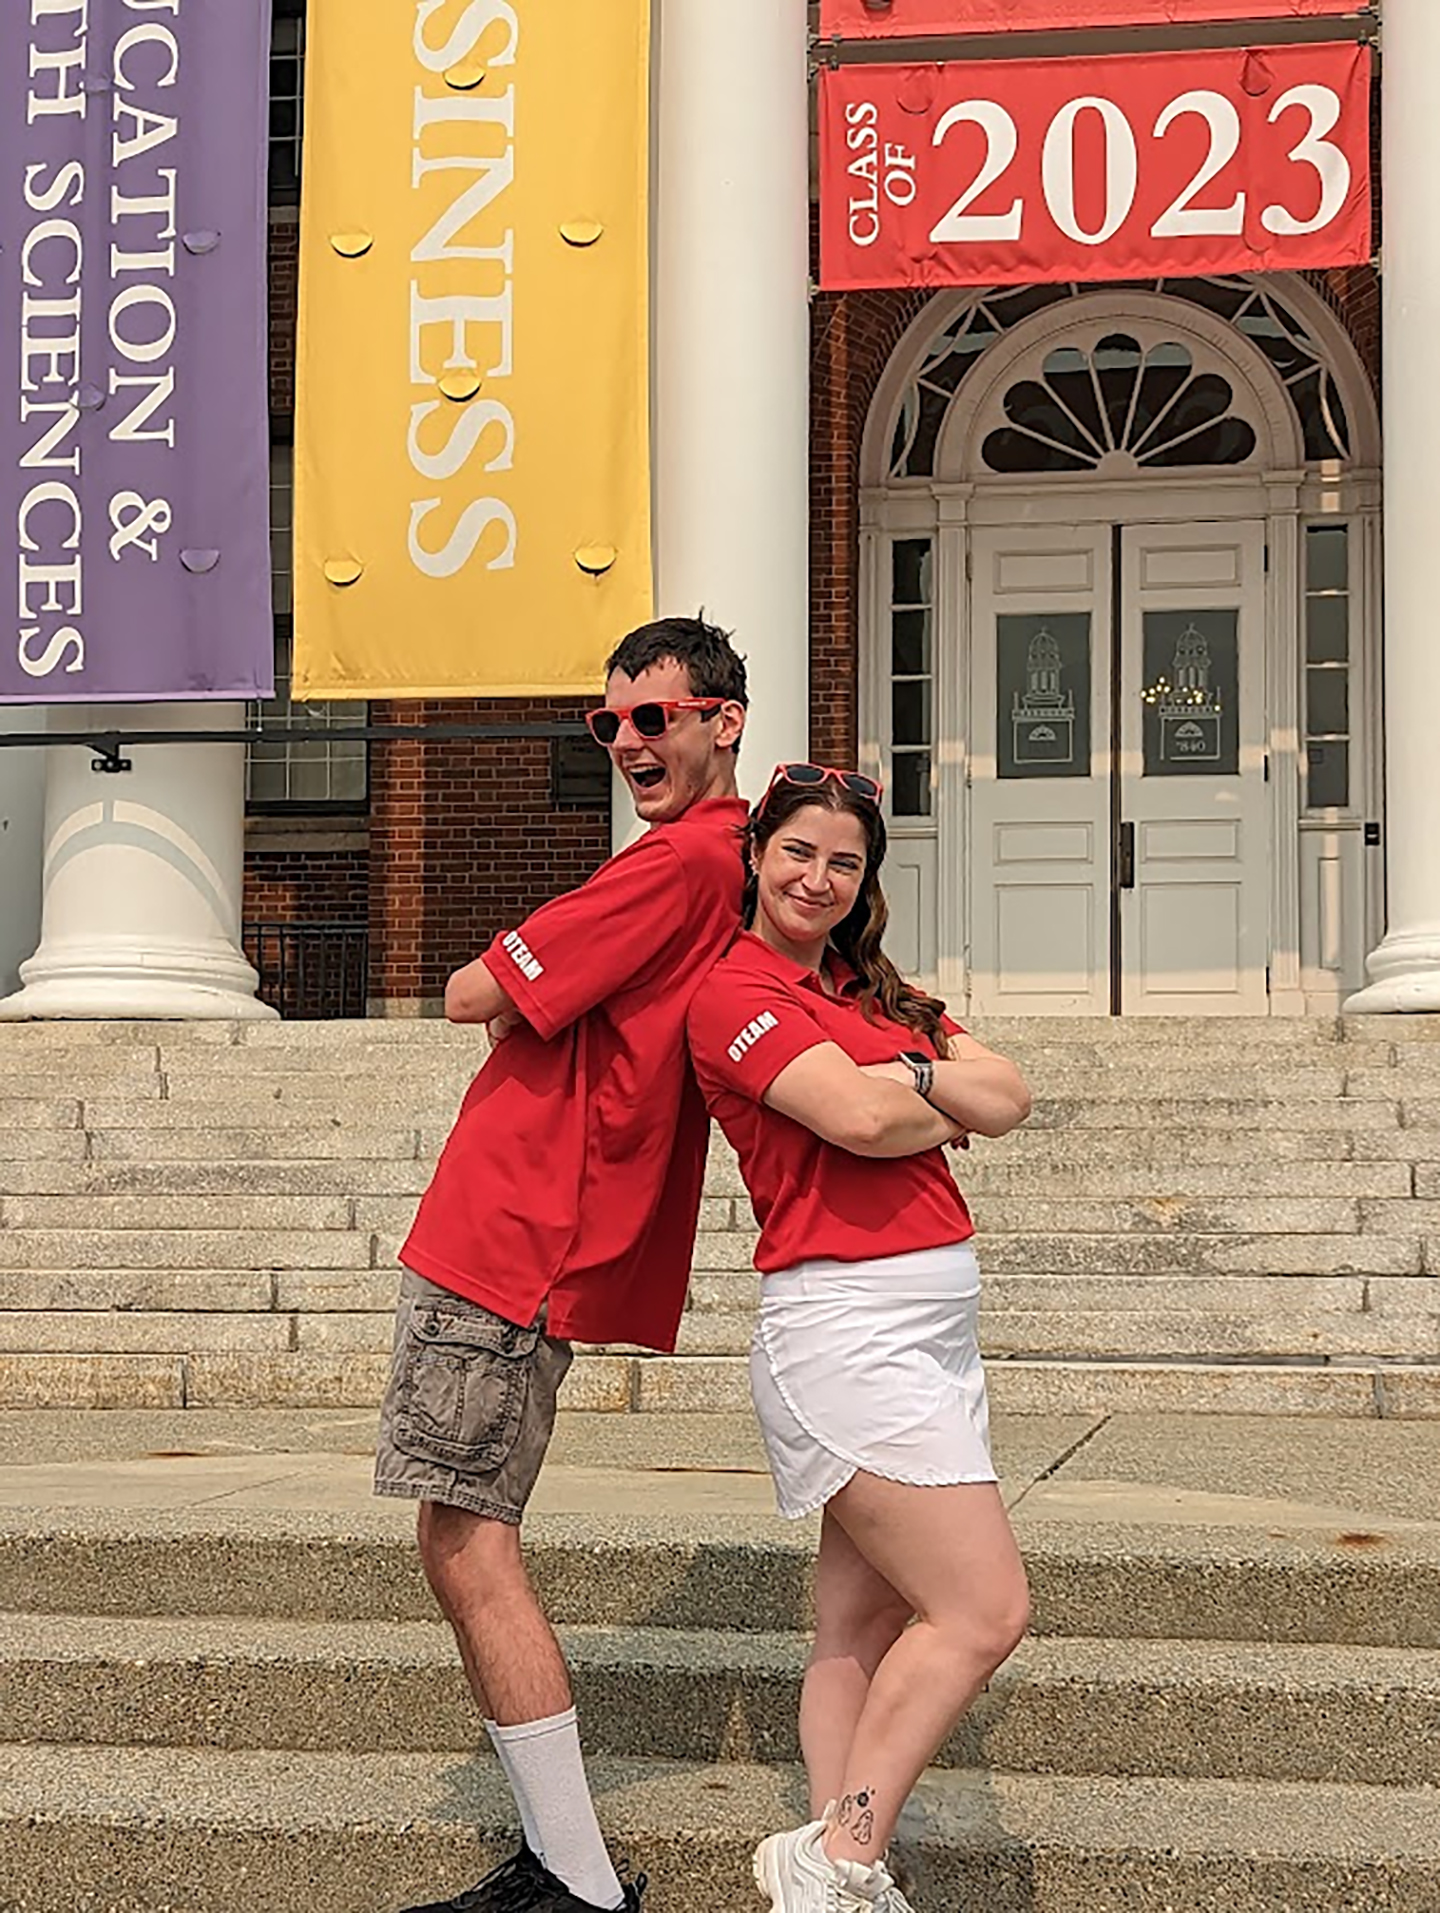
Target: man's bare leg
[[518, 1676], [512, 1658]]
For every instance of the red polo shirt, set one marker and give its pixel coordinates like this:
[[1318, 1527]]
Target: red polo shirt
[[757, 1012], [575, 1167]]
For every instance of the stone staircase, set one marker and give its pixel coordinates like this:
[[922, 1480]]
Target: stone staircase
[[1236, 1217], [208, 1707]]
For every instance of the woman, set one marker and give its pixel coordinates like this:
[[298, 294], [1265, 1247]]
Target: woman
[[839, 1087]]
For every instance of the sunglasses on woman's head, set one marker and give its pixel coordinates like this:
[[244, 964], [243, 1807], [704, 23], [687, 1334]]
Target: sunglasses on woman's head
[[812, 776], [649, 720]]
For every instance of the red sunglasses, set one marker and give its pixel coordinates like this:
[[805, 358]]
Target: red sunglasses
[[651, 719], [812, 776]]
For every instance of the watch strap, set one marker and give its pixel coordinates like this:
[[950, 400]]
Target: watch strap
[[922, 1068]]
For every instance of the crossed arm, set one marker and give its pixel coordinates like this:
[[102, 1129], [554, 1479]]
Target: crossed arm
[[985, 1093], [874, 1110], [472, 995]]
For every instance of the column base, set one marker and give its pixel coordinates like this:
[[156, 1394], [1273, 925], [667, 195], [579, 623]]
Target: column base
[[1404, 977], [137, 983]]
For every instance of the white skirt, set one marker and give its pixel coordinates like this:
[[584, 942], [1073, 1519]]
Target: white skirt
[[871, 1367]]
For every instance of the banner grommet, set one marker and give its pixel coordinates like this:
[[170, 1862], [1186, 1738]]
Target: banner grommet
[[458, 387]]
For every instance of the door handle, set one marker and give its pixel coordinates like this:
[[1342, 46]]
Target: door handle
[[1126, 860]]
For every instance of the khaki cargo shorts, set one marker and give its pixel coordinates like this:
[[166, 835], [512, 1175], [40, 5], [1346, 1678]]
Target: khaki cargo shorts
[[470, 1406]]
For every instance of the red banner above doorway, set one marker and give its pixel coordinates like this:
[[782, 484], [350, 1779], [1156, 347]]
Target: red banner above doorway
[[1141, 166], [914, 19]]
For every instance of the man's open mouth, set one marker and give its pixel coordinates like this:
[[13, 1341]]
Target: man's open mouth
[[647, 776]]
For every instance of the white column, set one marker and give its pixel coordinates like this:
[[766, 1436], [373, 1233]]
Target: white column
[[22, 812], [732, 347], [1405, 970], [143, 875]]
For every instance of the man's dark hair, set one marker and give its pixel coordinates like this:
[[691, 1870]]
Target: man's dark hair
[[715, 668]]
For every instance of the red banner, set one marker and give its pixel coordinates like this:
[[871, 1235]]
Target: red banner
[[1138, 166], [914, 19]]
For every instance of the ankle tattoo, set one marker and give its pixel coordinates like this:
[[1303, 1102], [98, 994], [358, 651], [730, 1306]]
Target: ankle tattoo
[[856, 1814]]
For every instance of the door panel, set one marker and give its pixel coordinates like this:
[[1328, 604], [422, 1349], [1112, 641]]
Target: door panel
[[910, 892], [1039, 869], [1195, 928]]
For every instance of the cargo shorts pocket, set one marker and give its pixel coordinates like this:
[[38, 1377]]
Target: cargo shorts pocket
[[463, 1390]]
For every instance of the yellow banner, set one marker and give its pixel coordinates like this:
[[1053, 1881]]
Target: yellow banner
[[472, 510]]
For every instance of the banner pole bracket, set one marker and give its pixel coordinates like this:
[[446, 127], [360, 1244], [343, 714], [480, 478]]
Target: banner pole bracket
[[107, 757]]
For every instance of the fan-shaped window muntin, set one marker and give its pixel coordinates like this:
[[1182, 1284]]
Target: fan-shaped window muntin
[[1118, 400], [1251, 308]]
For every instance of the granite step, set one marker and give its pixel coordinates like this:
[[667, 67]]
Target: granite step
[[324, 1375], [1361, 1716], [196, 1248], [1181, 1254], [391, 1174], [738, 1293], [331, 1139], [1133, 1334], [155, 1830], [1105, 1561], [1349, 1388]]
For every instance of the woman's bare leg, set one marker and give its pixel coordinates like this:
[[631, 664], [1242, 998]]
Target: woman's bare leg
[[950, 1555], [858, 1619]]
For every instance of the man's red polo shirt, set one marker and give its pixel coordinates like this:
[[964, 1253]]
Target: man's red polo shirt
[[757, 1012], [575, 1167]]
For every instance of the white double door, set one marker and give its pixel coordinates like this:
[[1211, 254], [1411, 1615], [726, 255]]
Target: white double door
[[1117, 816]]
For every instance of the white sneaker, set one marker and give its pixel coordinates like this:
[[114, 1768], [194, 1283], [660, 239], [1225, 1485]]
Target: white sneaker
[[796, 1875]]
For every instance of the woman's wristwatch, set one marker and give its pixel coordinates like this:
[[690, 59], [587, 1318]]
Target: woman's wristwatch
[[922, 1068]]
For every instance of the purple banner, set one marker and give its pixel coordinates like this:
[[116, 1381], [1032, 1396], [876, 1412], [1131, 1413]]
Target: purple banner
[[134, 444]]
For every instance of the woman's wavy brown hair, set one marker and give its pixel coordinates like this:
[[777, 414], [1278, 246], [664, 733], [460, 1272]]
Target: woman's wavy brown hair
[[857, 938]]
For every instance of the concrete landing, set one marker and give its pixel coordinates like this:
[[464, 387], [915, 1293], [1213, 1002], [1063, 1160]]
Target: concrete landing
[[1257, 1475]]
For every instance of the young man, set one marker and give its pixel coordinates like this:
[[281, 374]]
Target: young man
[[563, 1209]]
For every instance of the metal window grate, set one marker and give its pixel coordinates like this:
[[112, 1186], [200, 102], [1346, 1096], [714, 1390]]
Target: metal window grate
[[311, 972]]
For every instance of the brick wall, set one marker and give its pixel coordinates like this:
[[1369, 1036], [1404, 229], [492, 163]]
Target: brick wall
[[307, 885], [1353, 295], [464, 839]]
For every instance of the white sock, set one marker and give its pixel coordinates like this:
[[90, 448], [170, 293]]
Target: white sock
[[527, 1818], [545, 1768]]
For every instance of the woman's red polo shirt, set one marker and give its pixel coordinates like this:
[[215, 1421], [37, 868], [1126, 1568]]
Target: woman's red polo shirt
[[756, 1013], [575, 1167]]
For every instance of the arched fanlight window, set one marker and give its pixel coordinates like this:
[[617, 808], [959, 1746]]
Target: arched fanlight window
[[1120, 407], [1187, 425]]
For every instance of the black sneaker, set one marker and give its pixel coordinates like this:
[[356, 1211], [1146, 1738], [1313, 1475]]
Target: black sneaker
[[553, 1896], [512, 1887]]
